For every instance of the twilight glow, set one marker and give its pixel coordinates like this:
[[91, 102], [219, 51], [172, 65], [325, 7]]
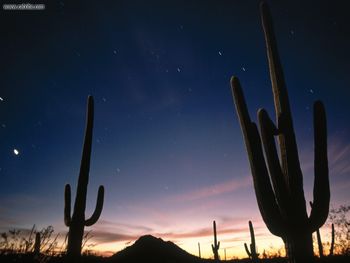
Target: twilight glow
[[167, 145]]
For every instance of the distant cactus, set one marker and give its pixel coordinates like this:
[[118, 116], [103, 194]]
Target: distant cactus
[[282, 204], [319, 241], [216, 245], [331, 250], [199, 250], [77, 222], [37, 243], [252, 254]]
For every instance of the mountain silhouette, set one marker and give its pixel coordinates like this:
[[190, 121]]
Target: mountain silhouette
[[151, 249]]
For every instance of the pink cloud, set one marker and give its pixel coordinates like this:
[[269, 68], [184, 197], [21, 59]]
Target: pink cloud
[[214, 190]]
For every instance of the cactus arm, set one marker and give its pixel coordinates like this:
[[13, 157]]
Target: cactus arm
[[276, 72], [263, 189], [332, 242], [287, 142], [67, 205], [98, 209], [280, 96], [247, 250], [268, 130], [319, 211], [264, 194], [319, 243], [318, 236]]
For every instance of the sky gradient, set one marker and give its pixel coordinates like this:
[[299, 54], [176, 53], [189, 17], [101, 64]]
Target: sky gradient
[[167, 144]]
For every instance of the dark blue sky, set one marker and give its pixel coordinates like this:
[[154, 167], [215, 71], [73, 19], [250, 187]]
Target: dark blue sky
[[165, 125]]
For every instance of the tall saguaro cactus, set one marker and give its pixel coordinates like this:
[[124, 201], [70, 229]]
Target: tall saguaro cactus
[[77, 221], [282, 203], [215, 247], [252, 253]]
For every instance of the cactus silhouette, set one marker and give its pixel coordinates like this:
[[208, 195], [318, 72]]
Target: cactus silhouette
[[77, 221], [252, 254], [332, 241], [199, 250], [37, 244], [216, 245], [319, 240], [282, 203]]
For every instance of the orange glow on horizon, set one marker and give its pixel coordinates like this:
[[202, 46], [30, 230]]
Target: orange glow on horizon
[[234, 244]]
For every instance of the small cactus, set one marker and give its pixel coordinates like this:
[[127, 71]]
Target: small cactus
[[77, 221], [216, 245], [37, 243], [332, 241], [199, 250], [252, 254]]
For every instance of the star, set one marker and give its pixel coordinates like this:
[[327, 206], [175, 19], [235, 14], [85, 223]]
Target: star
[[15, 151]]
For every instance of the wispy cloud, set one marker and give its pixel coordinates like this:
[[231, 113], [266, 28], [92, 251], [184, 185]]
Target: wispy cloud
[[109, 237], [7, 221], [118, 225], [204, 232], [213, 190], [338, 156]]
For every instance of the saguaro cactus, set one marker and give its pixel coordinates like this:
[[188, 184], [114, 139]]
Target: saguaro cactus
[[332, 241], [252, 254], [282, 203], [199, 250], [77, 221], [216, 245], [37, 243]]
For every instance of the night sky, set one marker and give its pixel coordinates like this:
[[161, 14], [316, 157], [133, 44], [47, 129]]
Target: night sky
[[167, 144]]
